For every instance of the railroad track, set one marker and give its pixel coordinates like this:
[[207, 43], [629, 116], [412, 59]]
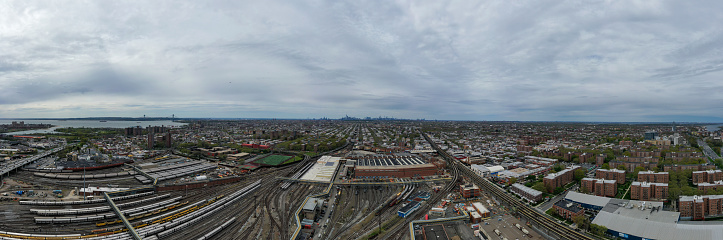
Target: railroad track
[[400, 230], [541, 219]]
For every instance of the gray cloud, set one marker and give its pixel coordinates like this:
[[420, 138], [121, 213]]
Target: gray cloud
[[489, 60]]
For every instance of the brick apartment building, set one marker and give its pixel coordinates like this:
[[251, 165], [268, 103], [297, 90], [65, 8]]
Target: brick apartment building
[[525, 192], [694, 167], [699, 207], [612, 174], [600, 187], [706, 187], [559, 179], [707, 176], [567, 209], [600, 160], [646, 191], [633, 165], [653, 177]]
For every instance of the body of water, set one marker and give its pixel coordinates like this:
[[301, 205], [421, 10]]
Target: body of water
[[87, 124], [713, 128]]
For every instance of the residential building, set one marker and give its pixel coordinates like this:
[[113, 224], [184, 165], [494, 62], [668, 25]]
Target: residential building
[[653, 177], [645, 191], [600, 187], [559, 179], [611, 174], [707, 176], [705, 187], [699, 207], [527, 193]]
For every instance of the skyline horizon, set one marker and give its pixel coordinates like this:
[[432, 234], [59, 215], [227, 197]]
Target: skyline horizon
[[467, 60], [389, 118]]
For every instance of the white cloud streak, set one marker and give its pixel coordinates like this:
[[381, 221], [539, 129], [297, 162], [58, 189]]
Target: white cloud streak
[[476, 60]]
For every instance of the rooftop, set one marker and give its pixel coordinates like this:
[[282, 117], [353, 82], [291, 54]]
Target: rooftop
[[570, 206]]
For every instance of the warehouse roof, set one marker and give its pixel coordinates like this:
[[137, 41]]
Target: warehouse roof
[[587, 199], [657, 230]]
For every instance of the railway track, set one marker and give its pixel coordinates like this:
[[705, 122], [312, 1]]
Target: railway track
[[562, 231]]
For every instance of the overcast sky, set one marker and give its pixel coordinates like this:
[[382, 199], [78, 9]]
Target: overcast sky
[[464, 60]]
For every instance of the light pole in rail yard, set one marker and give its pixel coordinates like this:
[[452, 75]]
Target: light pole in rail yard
[[84, 194]]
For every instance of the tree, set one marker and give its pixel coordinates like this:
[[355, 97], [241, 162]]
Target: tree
[[621, 167], [598, 229], [512, 180], [583, 189], [539, 187], [578, 174], [531, 177], [582, 222], [606, 166]]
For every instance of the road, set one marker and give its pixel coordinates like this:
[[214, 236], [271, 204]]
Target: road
[[708, 151]]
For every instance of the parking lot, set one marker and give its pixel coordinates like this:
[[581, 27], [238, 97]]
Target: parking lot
[[507, 228]]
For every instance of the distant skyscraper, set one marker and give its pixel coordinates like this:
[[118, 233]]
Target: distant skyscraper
[[652, 135], [168, 139], [674, 127], [151, 138]]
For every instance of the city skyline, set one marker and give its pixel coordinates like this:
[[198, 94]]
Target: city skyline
[[495, 61]]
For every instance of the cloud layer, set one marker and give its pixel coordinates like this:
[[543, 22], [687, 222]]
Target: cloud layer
[[463, 60]]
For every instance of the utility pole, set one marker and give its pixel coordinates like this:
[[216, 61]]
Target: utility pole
[[86, 193]]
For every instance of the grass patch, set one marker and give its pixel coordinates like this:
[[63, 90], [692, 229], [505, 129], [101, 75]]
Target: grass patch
[[273, 160], [294, 159]]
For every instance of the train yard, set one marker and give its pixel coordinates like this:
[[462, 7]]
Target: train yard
[[340, 194]]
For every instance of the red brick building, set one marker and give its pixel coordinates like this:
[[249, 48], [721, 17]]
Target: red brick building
[[706, 187], [699, 207], [559, 179], [398, 171], [707, 176], [612, 174], [653, 177], [568, 210], [600, 187], [600, 160], [469, 191], [645, 191]]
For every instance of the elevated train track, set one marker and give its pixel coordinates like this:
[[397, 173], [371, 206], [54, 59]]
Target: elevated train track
[[552, 227]]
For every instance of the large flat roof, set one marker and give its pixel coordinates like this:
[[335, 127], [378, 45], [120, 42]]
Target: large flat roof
[[587, 199], [657, 230]]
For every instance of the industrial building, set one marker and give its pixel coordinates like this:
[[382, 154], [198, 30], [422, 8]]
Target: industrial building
[[587, 201], [527, 193], [408, 209], [389, 166], [469, 191], [481, 210], [484, 171], [323, 170]]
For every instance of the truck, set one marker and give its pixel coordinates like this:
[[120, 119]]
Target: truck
[[57, 191], [525, 231], [497, 232], [518, 226]]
